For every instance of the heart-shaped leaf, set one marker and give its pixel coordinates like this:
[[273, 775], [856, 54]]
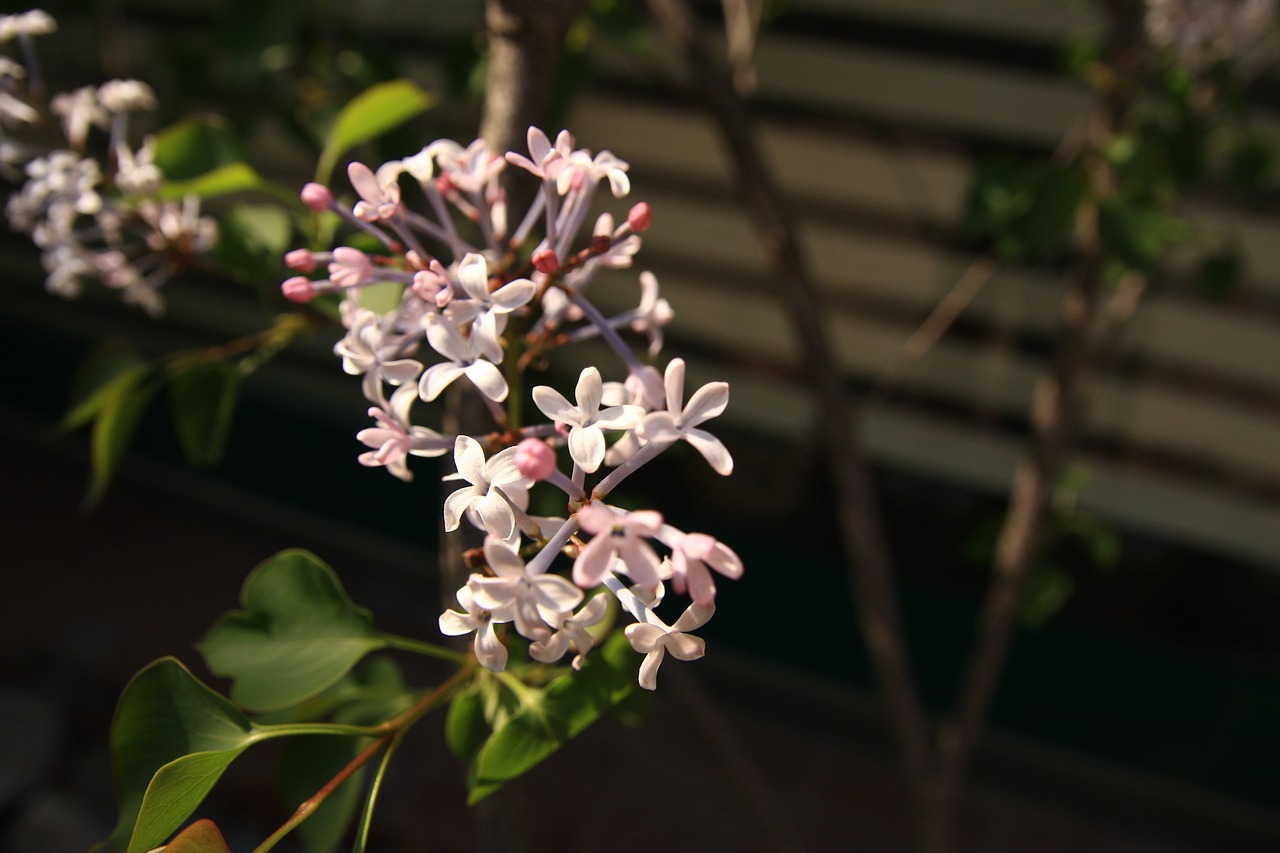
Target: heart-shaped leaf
[[171, 738], [298, 634]]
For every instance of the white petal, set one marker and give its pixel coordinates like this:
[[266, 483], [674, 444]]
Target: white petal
[[712, 450], [488, 378], [586, 446], [401, 371], [590, 391], [553, 404], [674, 381], [445, 339], [494, 515], [490, 652], [644, 637], [436, 378], [473, 273], [649, 669], [455, 505], [512, 295], [468, 459], [555, 592], [706, 403], [455, 624], [685, 647], [695, 616]]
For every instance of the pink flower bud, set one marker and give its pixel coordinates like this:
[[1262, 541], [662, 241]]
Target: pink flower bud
[[350, 267], [640, 217], [535, 459], [317, 196], [302, 260], [546, 261], [298, 289]]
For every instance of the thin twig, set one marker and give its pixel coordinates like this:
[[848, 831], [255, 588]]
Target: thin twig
[[869, 565], [928, 333]]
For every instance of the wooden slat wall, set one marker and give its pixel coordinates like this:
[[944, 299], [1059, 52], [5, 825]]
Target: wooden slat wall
[[1184, 440], [874, 141]]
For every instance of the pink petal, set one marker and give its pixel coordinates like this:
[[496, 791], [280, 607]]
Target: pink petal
[[592, 563], [364, 182]]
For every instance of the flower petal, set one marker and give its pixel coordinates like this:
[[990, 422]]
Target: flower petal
[[553, 404], [586, 446], [712, 450], [488, 379], [473, 273], [706, 403]]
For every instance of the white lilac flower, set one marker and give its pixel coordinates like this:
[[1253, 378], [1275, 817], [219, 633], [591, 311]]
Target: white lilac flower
[[680, 421], [486, 311], [396, 437], [484, 497], [544, 161], [379, 193], [655, 638], [464, 359], [653, 312], [490, 652], [120, 96], [618, 537], [603, 166], [527, 595], [586, 421], [80, 110], [136, 172], [366, 350], [33, 23], [571, 628], [467, 169], [692, 557]]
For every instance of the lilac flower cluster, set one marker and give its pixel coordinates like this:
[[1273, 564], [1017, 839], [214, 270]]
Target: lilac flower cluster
[[93, 217], [486, 292]]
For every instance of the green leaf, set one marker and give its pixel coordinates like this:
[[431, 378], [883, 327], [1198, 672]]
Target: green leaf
[[107, 371], [309, 762], [175, 792], [196, 146], [202, 836], [1137, 234], [114, 426], [224, 180], [252, 239], [1046, 227], [171, 738], [466, 727], [298, 634], [568, 705], [202, 399], [1048, 590], [370, 114]]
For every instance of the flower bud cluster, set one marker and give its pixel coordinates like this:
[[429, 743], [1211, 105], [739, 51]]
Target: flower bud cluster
[[486, 294], [94, 216]]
